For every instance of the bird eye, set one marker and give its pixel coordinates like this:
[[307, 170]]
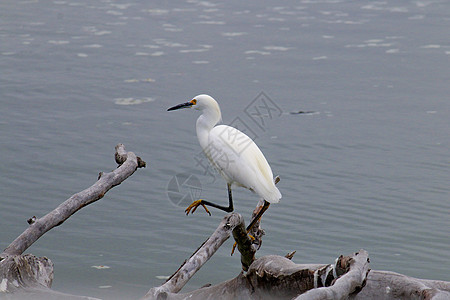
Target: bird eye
[[193, 101]]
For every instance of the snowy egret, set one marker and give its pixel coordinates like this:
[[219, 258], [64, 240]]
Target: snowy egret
[[233, 154]]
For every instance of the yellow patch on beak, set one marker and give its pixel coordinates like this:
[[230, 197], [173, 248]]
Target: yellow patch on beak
[[193, 101]]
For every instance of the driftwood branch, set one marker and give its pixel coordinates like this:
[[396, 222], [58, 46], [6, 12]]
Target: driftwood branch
[[178, 280], [393, 286], [30, 277], [355, 269], [245, 245], [22, 272], [268, 277], [122, 156], [248, 246], [277, 277], [232, 223], [106, 181]]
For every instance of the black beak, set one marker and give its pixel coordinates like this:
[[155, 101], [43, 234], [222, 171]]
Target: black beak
[[182, 105]]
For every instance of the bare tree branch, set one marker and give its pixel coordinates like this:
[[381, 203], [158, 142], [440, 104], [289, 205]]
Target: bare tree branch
[[106, 181], [268, 277], [177, 281], [30, 276], [276, 277], [121, 156], [356, 269], [393, 286], [244, 245]]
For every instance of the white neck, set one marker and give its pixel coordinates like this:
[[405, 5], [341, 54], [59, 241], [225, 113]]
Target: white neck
[[205, 123]]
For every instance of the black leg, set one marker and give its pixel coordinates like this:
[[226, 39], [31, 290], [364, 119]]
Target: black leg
[[258, 216], [202, 202], [224, 208], [254, 221], [230, 198], [263, 209]]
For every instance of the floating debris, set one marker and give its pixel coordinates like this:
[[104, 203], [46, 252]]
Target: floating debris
[[431, 46], [58, 42], [132, 101], [101, 267], [233, 34], [276, 48], [133, 80], [302, 112], [93, 46]]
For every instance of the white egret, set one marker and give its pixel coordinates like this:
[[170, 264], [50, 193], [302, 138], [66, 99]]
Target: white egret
[[235, 156]]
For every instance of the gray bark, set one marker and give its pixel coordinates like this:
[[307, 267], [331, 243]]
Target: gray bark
[[230, 223], [24, 276], [276, 277], [385, 285], [30, 277], [27, 277], [351, 282], [106, 181]]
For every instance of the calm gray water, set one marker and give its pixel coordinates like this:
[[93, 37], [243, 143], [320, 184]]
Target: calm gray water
[[369, 168]]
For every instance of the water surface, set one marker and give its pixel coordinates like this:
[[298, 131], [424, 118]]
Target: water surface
[[368, 168]]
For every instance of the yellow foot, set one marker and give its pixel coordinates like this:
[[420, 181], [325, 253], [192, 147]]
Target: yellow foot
[[234, 248], [194, 206], [235, 244]]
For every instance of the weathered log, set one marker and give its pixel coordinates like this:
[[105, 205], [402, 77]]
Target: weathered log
[[276, 277], [60, 214], [355, 268], [121, 156], [256, 231], [25, 271], [32, 275], [384, 285], [245, 245], [268, 277], [178, 280], [248, 247], [231, 223]]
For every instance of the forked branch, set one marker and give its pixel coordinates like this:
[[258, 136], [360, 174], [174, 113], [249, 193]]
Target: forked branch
[[128, 161], [178, 280]]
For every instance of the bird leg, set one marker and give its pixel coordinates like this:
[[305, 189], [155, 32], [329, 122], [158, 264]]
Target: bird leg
[[262, 210], [258, 216], [202, 202], [194, 206]]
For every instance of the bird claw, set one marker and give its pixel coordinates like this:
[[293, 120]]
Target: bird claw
[[194, 206], [234, 248], [235, 243]]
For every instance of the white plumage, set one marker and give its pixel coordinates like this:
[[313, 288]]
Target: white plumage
[[236, 157]]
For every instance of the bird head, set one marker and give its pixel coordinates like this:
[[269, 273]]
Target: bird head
[[200, 102]]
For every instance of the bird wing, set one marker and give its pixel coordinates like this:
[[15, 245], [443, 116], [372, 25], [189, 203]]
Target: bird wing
[[240, 161]]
